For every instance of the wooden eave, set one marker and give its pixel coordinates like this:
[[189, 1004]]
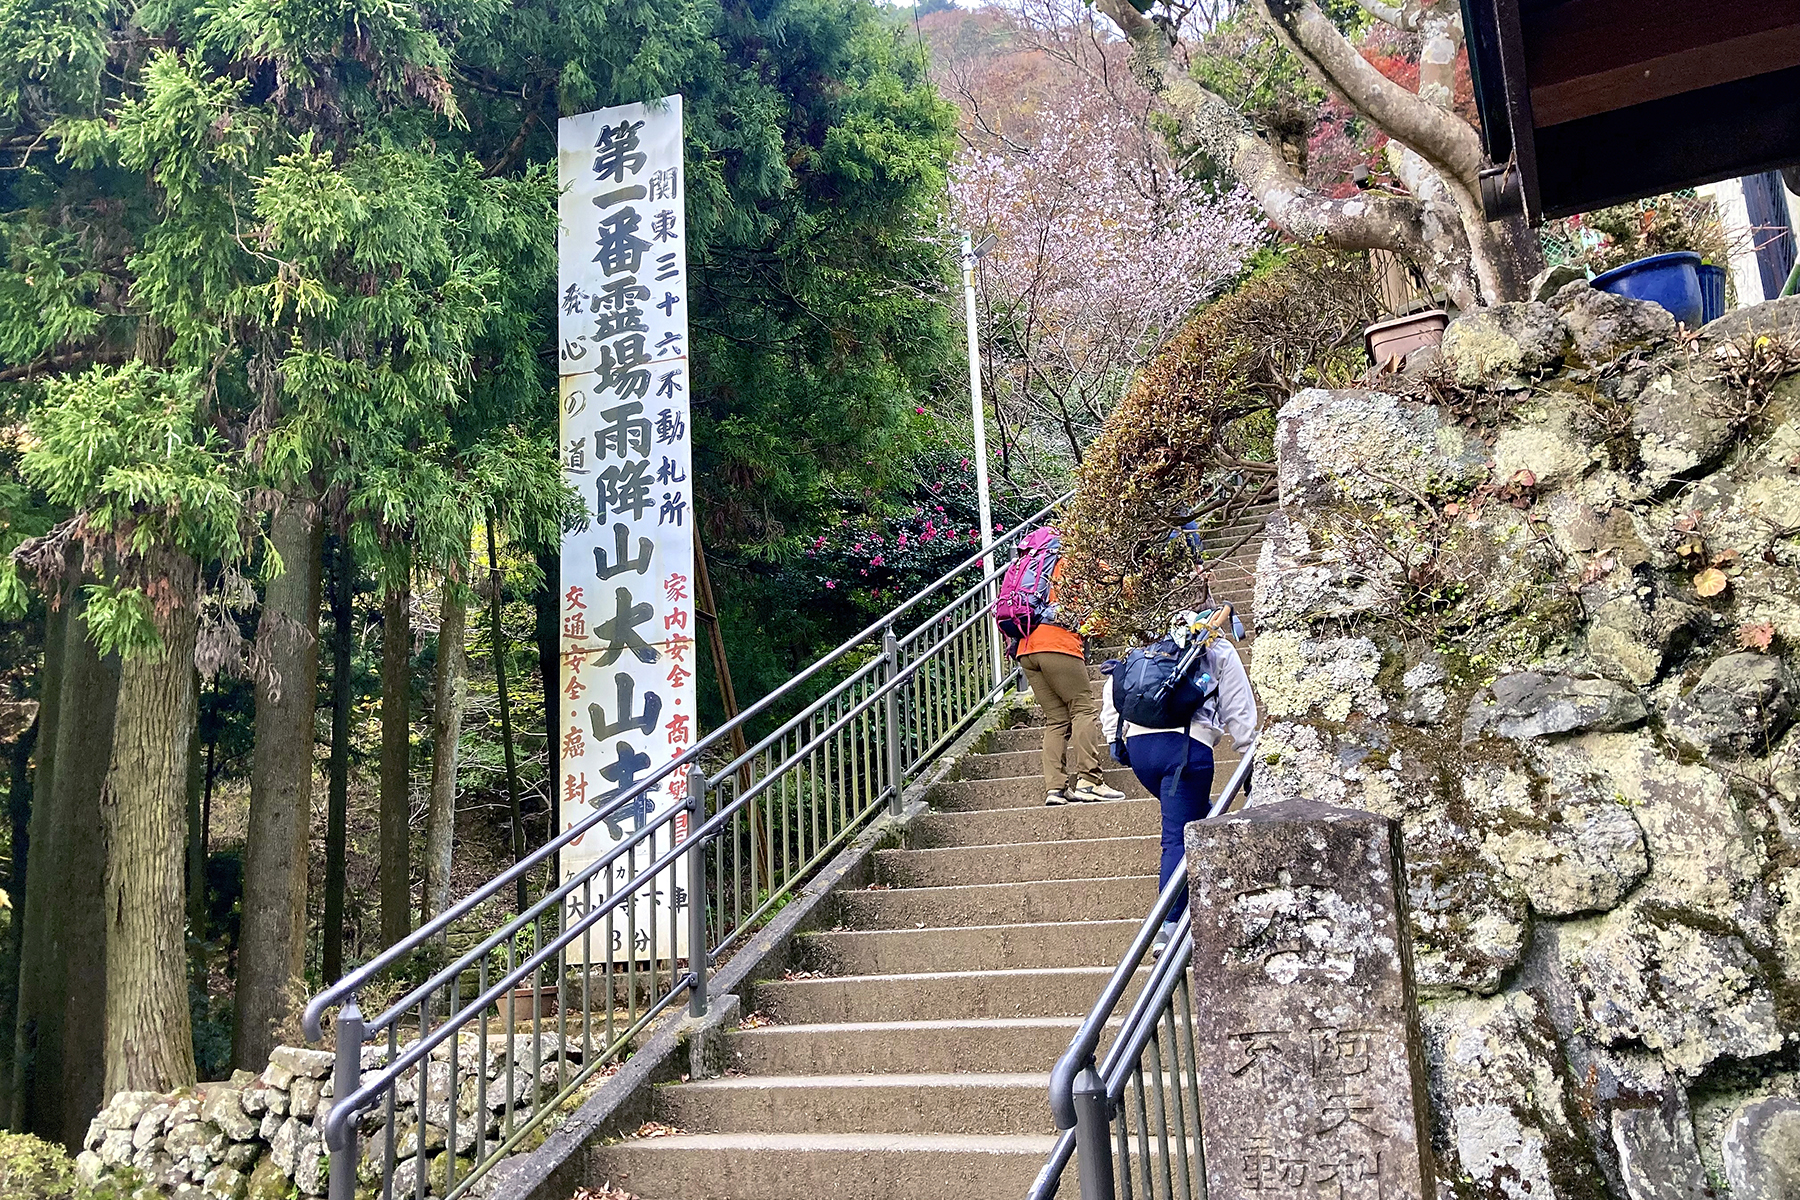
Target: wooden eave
[[1599, 101]]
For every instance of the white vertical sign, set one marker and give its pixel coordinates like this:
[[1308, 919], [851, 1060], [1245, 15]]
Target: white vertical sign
[[627, 579]]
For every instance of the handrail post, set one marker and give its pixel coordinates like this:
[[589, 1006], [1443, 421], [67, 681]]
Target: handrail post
[[1093, 1135], [696, 893], [345, 1079], [890, 650]]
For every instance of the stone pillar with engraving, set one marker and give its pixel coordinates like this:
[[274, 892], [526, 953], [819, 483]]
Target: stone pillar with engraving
[[1312, 1076]]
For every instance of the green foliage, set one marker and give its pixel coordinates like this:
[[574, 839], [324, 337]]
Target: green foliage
[[123, 445], [33, 1169], [1611, 237]]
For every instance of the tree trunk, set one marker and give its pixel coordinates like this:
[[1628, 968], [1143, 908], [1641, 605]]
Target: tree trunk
[[59, 1044], [337, 812], [498, 608], [18, 804], [149, 1041], [196, 852], [273, 941], [446, 728], [396, 761], [548, 631]]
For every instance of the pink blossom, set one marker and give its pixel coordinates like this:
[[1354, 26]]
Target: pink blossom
[[901, 542], [1081, 285], [876, 561], [920, 411], [831, 583]]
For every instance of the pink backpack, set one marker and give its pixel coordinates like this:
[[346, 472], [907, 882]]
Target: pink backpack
[[1024, 601]]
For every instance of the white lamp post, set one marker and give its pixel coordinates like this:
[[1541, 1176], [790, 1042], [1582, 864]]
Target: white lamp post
[[971, 252]]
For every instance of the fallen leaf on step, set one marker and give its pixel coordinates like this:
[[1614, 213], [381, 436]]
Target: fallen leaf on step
[[605, 1191], [655, 1129], [755, 1020], [1710, 582], [791, 976]]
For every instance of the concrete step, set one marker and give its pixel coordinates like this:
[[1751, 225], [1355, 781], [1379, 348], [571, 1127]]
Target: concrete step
[[901, 1047], [1008, 764], [1024, 791], [1026, 737], [1096, 858], [995, 1104], [967, 948], [1011, 826], [1063, 992], [1124, 898], [866, 1166]]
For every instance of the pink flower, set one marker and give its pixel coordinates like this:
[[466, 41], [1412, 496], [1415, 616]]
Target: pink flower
[[920, 411], [876, 561], [831, 583], [863, 572], [940, 508], [901, 543], [963, 463]]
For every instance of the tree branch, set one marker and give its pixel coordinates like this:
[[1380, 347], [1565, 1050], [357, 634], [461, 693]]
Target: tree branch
[[1443, 139], [1404, 18], [1372, 221]]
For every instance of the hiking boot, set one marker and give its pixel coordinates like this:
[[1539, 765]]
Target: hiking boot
[[1160, 942], [1087, 791], [1055, 797]]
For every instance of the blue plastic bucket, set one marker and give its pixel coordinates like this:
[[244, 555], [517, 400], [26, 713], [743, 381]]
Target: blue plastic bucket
[[1671, 280], [1712, 292]]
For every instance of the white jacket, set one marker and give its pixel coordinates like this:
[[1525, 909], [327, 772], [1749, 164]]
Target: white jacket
[[1231, 710]]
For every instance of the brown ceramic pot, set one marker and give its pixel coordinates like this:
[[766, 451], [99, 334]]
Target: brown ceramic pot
[[1388, 340]]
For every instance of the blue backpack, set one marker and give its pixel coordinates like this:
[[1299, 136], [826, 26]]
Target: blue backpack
[[1162, 686]]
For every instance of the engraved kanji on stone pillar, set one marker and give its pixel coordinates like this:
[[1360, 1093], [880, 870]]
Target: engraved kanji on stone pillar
[[1312, 1076]]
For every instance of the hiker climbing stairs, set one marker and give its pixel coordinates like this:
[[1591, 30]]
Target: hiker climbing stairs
[[906, 1052]]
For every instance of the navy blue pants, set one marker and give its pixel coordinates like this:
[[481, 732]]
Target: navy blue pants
[[1178, 771]]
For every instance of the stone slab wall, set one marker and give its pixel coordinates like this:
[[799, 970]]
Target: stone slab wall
[[1538, 599]]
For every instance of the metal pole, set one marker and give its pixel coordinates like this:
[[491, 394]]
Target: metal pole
[[696, 893], [1093, 1135], [979, 411], [890, 650], [345, 1079]]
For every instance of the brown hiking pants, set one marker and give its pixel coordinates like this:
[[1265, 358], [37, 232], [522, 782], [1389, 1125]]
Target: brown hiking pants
[[1071, 717]]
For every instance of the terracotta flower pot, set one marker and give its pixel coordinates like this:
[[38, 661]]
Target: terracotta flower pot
[[1388, 340], [520, 1000]]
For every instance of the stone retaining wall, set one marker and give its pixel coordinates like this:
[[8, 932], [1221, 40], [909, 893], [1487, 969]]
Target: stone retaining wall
[[1539, 600], [260, 1137]]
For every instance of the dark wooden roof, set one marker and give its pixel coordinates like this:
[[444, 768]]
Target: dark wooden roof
[[1592, 102]]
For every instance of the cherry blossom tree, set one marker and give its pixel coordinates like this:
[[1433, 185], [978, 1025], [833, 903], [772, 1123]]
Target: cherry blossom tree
[[1103, 250]]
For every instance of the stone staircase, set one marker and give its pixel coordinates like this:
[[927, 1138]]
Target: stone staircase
[[906, 1054]]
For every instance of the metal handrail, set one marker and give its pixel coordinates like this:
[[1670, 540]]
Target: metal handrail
[[1083, 1096], [840, 760]]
